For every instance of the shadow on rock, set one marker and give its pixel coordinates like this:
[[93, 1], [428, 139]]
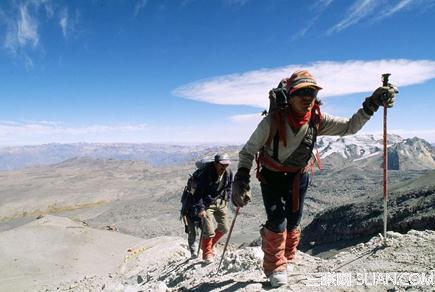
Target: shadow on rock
[[236, 286]]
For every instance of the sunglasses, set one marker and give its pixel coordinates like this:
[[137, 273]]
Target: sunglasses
[[303, 92]]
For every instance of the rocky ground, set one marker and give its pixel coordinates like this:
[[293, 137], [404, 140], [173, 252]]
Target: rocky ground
[[95, 260], [141, 202], [410, 206]]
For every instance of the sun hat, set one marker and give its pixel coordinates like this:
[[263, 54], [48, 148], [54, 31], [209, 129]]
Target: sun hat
[[222, 158], [300, 79]]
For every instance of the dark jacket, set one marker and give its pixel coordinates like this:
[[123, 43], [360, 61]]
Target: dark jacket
[[207, 187]]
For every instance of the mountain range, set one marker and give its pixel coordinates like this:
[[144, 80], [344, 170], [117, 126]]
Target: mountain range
[[139, 202], [414, 153], [17, 157]]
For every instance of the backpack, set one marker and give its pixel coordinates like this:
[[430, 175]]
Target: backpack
[[278, 99], [187, 195]]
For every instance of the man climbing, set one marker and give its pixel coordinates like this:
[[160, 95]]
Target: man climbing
[[212, 190], [283, 145]]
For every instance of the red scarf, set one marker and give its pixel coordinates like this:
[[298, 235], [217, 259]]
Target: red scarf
[[297, 123]]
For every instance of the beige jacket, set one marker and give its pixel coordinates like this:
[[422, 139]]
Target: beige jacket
[[329, 125]]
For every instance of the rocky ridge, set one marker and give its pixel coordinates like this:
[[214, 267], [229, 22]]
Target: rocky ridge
[[410, 206], [163, 263]]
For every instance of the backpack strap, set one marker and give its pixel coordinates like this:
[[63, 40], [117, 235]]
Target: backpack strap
[[277, 130]]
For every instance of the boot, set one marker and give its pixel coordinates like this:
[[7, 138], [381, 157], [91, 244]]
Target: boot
[[217, 235], [278, 279], [207, 250], [274, 261], [291, 244]]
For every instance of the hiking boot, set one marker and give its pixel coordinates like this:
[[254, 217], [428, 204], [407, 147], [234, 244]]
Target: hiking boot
[[278, 279], [273, 246], [193, 251], [209, 259], [193, 254], [290, 267], [207, 249], [217, 235], [291, 244]]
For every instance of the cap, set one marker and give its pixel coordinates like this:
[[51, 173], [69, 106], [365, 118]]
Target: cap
[[222, 158], [300, 79]]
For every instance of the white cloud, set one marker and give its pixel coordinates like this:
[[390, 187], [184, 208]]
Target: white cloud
[[42, 132], [337, 78], [248, 118]]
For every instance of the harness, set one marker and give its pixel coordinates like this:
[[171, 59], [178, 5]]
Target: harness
[[300, 161]]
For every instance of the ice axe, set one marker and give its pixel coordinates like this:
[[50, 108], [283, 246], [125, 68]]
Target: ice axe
[[385, 83], [228, 238]]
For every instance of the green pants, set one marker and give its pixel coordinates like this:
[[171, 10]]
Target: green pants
[[219, 211], [193, 227]]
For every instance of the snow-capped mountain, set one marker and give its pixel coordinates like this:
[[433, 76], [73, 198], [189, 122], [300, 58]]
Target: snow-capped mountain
[[413, 153], [366, 151], [354, 147]]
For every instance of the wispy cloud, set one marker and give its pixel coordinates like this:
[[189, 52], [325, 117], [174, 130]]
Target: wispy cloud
[[375, 10], [140, 4], [21, 31], [396, 8], [337, 78], [318, 8], [236, 3], [68, 22], [63, 21], [22, 26], [357, 12]]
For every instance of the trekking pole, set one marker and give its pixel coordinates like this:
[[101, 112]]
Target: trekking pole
[[385, 83], [200, 237], [228, 238]]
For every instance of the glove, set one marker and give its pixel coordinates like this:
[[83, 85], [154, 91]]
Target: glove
[[241, 194], [384, 96]]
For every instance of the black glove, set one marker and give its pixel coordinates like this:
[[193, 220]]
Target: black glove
[[241, 194], [384, 96]]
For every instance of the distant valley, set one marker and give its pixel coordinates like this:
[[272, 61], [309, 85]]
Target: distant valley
[[119, 186]]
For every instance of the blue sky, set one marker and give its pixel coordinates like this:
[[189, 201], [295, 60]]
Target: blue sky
[[195, 71]]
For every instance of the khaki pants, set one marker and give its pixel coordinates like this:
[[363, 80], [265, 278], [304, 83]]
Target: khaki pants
[[219, 211]]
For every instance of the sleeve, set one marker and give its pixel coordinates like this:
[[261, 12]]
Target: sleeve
[[254, 143], [336, 126]]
